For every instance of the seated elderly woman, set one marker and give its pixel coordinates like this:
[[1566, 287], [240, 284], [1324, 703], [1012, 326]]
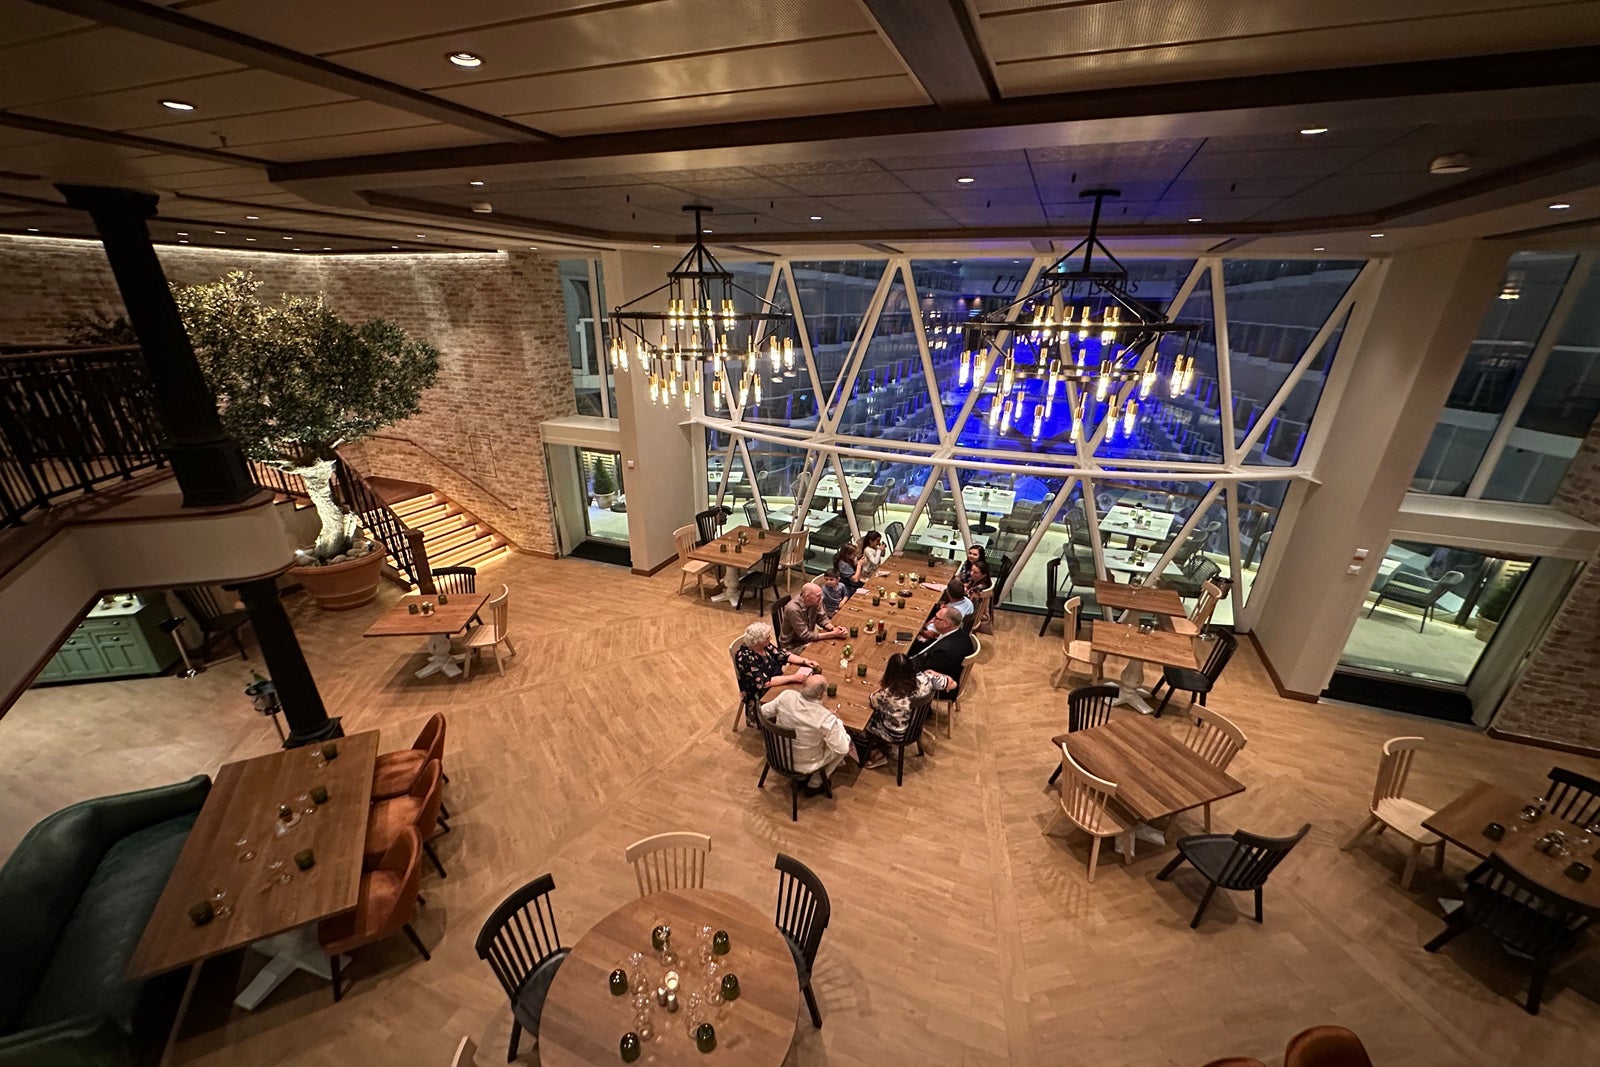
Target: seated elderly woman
[[761, 664]]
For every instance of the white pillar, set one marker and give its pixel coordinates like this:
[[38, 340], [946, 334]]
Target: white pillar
[[1414, 341], [657, 448]]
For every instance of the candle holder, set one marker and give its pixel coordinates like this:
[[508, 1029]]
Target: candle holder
[[305, 859], [855, 631], [412, 609], [875, 600], [618, 982], [861, 670], [833, 690], [720, 943], [629, 1048], [330, 751], [723, 547], [201, 913], [444, 598], [319, 794], [705, 1037], [730, 987]]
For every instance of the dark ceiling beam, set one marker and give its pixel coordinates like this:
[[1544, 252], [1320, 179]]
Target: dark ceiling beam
[[317, 213], [1474, 75], [174, 27], [939, 45], [125, 140]]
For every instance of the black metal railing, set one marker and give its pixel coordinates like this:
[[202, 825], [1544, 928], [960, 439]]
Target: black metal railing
[[404, 544], [72, 421]]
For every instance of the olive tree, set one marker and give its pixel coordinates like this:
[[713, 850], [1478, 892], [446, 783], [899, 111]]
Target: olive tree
[[294, 381]]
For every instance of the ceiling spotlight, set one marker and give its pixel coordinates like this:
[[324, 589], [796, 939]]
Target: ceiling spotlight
[[294, 250], [249, 238], [1451, 163], [181, 241], [1559, 205], [1374, 235], [177, 105], [422, 235], [482, 207], [476, 185], [465, 59], [965, 180], [816, 218], [288, 238], [327, 248], [253, 218], [219, 231], [1313, 131], [704, 230], [183, 233], [1197, 219], [1319, 248], [655, 246], [33, 229], [394, 246]]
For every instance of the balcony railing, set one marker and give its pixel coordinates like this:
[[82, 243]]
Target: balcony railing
[[71, 422]]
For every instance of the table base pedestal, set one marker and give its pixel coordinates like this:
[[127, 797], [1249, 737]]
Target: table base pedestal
[[439, 658], [1130, 691], [296, 950]]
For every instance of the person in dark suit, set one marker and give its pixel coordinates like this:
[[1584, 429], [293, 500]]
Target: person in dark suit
[[940, 653]]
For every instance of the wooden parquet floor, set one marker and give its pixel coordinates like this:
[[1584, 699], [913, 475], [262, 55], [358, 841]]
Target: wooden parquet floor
[[961, 935]]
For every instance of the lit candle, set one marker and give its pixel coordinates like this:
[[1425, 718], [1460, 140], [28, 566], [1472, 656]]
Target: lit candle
[[671, 981]]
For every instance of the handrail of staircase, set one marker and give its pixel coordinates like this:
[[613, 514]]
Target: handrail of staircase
[[431, 454], [404, 544]]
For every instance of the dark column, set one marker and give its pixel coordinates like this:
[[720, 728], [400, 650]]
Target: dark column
[[208, 464], [286, 665]]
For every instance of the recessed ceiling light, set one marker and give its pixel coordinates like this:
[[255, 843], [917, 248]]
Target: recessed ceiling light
[[965, 180], [394, 246], [327, 248], [288, 238], [422, 235], [294, 250], [33, 229], [1197, 219], [1374, 235], [655, 246], [465, 59], [816, 218], [482, 207], [533, 248], [249, 238], [1313, 131], [1319, 248], [705, 231], [183, 233], [177, 105], [1559, 205], [219, 231], [1451, 163], [253, 218], [182, 242], [475, 185]]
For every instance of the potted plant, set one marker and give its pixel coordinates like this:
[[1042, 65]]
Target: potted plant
[[601, 484], [1492, 606], [293, 382]]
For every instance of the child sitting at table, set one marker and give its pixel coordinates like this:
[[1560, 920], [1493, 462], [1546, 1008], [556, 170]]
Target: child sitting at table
[[833, 593]]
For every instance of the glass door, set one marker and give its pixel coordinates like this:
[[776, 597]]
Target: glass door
[[1425, 624], [605, 516]]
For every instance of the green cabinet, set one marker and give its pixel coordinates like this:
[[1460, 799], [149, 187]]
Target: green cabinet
[[120, 640]]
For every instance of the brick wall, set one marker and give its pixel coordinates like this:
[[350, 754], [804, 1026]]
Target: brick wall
[[1555, 699], [497, 320]]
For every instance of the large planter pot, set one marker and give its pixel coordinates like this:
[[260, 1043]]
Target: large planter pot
[[341, 586], [604, 500]]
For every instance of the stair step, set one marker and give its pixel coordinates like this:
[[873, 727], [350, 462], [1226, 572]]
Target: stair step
[[462, 555], [407, 508], [437, 546], [446, 516], [490, 555]]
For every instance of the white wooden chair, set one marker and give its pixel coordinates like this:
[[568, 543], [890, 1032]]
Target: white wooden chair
[[1086, 802], [669, 861], [1210, 593], [1074, 650], [793, 559], [1391, 809], [1214, 739], [466, 1054], [684, 538], [492, 634], [953, 704]]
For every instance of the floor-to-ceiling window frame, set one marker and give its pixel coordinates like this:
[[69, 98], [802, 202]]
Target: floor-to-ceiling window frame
[[933, 450]]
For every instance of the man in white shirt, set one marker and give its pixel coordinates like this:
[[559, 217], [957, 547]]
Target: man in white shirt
[[956, 597], [820, 739]]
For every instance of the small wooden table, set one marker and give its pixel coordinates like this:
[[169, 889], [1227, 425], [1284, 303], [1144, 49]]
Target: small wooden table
[[1461, 823], [1159, 646], [851, 701], [1156, 774], [445, 619], [1145, 599], [243, 805], [582, 1022], [761, 543]]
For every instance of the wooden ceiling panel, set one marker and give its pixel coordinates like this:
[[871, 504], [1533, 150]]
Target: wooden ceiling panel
[[1034, 71], [400, 139], [771, 67], [247, 132], [608, 35], [21, 21], [216, 97], [827, 99], [321, 27], [100, 60]]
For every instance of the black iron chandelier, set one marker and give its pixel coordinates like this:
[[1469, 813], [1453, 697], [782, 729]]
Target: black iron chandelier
[[1083, 335], [702, 325]]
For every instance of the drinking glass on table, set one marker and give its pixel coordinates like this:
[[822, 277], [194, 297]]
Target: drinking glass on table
[[219, 902]]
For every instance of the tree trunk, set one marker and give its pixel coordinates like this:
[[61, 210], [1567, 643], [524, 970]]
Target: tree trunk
[[331, 539]]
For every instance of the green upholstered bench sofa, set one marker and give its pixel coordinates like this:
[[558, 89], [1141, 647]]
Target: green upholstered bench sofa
[[74, 900]]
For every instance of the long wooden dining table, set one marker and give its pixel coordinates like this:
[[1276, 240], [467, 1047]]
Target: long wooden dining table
[[1462, 823], [901, 627]]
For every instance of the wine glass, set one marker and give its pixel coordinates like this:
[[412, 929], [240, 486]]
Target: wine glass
[[303, 803], [219, 902], [246, 853]]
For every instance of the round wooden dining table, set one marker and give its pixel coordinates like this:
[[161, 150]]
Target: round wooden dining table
[[583, 1024]]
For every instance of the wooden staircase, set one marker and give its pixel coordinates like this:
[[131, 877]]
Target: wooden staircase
[[452, 535]]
